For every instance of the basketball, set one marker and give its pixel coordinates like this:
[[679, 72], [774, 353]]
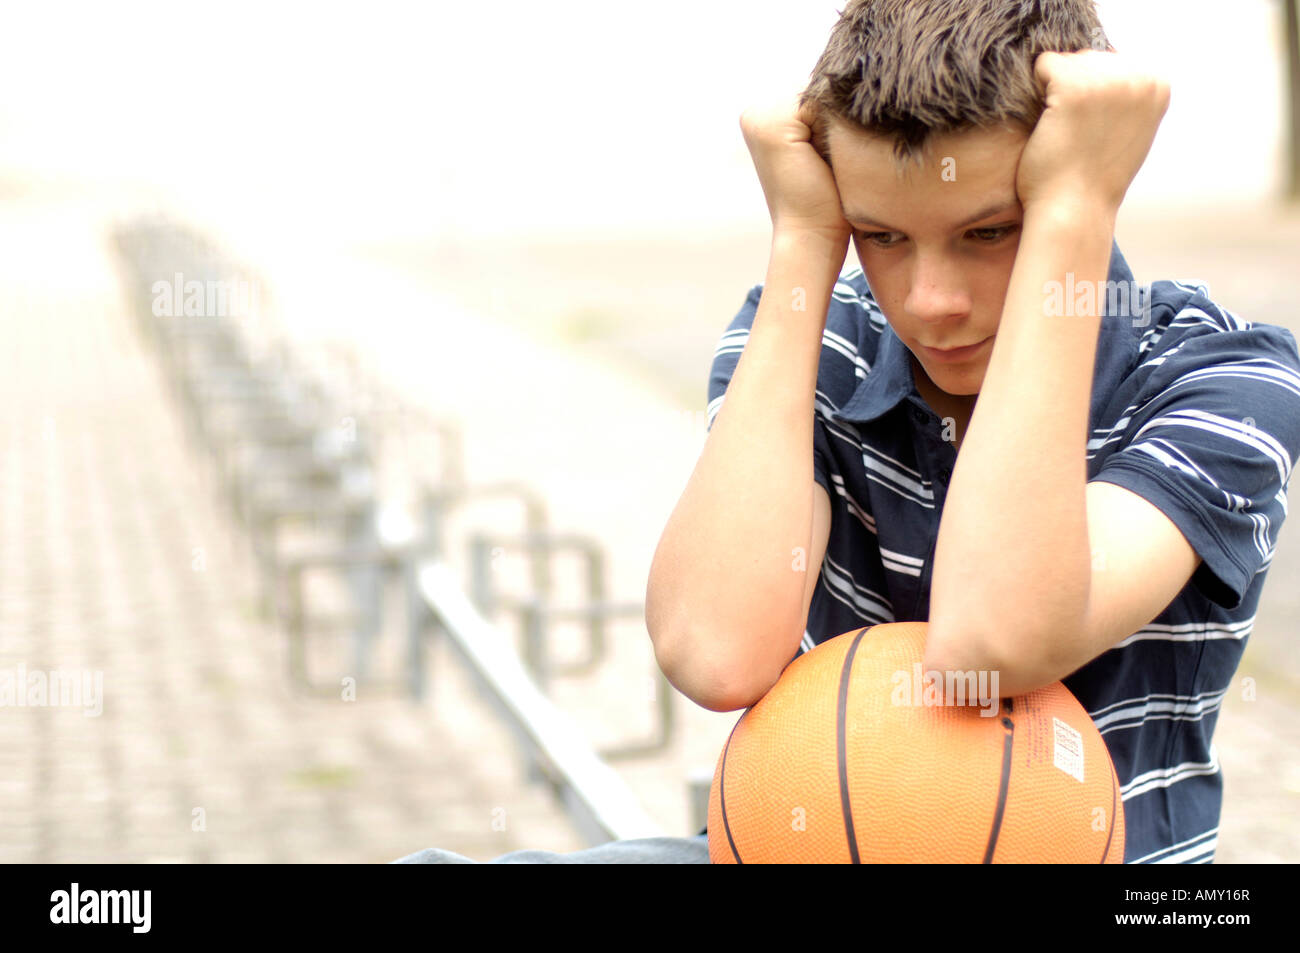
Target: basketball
[[854, 757]]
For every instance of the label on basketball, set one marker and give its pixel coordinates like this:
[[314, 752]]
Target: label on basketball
[[1067, 749]]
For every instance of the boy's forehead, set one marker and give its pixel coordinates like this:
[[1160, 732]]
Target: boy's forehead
[[986, 145], [968, 167]]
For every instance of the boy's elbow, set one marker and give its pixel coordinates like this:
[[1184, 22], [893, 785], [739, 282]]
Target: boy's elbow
[[716, 684], [717, 673], [1007, 676], [716, 694], [721, 696]]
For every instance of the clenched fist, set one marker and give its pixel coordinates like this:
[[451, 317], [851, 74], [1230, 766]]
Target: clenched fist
[[799, 187], [1102, 111]]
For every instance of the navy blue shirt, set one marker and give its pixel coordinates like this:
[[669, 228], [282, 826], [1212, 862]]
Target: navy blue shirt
[[1192, 408]]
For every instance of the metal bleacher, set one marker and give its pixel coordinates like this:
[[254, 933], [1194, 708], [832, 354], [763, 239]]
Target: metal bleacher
[[297, 459]]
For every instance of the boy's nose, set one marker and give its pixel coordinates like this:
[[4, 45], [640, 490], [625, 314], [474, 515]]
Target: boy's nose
[[938, 289], [936, 301]]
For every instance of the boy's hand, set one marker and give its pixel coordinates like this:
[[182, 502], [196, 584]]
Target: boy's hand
[[799, 187], [1096, 130]]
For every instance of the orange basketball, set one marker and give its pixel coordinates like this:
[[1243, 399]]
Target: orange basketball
[[854, 757]]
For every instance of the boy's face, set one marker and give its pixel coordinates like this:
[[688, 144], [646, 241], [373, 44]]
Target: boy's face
[[938, 273]]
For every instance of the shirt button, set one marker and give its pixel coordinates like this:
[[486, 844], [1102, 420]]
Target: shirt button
[[920, 415]]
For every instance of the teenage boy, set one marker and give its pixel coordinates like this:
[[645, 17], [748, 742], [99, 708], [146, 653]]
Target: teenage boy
[[1104, 514]]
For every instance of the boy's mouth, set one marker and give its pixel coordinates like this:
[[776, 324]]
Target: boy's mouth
[[956, 354]]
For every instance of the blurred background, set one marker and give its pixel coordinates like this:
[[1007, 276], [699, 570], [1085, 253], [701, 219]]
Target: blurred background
[[487, 246]]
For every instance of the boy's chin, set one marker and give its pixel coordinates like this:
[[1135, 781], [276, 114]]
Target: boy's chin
[[963, 382], [952, 379]]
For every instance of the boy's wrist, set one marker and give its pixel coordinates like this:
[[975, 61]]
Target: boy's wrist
[[1072, 208], [811, 241], [807, 256]]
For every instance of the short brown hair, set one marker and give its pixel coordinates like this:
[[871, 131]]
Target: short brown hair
[[912, 68]]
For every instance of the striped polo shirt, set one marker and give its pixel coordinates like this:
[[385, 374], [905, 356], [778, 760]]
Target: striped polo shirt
[[1193, 408]]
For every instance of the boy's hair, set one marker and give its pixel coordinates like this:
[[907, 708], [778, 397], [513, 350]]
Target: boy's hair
[[912, 68]]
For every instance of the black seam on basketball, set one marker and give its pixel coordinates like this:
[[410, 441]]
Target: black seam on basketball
[[841, 745], [1110, 834], [1003, 785], [722, 787]]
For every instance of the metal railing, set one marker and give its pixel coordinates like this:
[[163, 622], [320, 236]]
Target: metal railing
[[597, 798]]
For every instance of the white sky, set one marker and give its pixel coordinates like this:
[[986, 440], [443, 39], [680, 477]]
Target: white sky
[[516, 116]]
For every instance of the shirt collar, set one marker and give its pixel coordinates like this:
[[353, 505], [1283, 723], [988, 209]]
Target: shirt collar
[[890, 379]]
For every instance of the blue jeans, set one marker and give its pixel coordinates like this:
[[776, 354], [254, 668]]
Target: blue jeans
[[645, 850]]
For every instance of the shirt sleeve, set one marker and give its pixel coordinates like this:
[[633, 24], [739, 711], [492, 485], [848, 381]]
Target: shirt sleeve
[[1212, 441], [725, 358]]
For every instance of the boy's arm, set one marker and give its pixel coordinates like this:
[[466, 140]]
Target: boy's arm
[[1014, 586], [724, 597]]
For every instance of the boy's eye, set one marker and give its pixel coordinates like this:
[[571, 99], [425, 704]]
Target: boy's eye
[[876, 238], [987, 236], [990, 235]]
